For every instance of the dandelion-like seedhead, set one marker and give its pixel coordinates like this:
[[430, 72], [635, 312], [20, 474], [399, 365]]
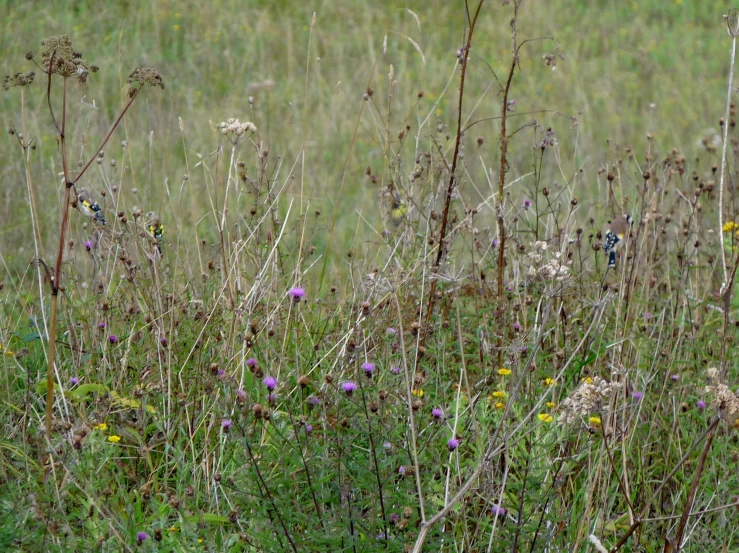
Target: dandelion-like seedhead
[[146, 75], [19, 79], [591, 396]]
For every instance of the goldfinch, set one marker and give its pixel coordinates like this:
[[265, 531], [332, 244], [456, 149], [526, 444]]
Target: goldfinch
[[88, 206], [617, 233], [398, 210], [155, 228]]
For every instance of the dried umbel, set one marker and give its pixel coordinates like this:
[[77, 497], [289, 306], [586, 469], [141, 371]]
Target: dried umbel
[[591, 396], [724, 400], [59, 57], [233, 129], [19, 79], [146, 75]]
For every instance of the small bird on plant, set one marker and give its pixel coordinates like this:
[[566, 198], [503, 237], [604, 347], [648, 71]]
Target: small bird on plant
[[88, 206], [398, 210], [155, 228], [616, 236]]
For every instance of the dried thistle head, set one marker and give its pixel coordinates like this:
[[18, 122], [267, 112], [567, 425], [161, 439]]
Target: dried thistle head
[[60, 57], [591, 396], [732, 23], [19, 79], [724, 399], [146, 75]]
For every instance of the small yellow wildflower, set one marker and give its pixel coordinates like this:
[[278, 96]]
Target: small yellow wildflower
[[499, 405], [418, 393], [594, 421], [101, 426], [498, 394], [200, 540], [504, 372], [545, 417], [551, 405], [113, 438], [549, 381], [177, 27], [728, 227], [173, 529], [587, 380]]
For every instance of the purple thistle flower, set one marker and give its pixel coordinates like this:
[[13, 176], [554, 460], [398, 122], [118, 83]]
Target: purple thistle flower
[[390, 330], [437, 413], [395, 370], [226, 424], [394, 518], [163, 341], [349, 387], [270, 382], [241, 394], [368, 368], [452, 444], [700, 404], [141, 537], [112, 338], [637, 395], [313, 400], [89, 244], [74, 381], [251, 362], [296, 294], [675, 377], [648, 315], [496, 243], [308, 427], [101, 325], [526, 203], [401, 470], [497, 510], [271, 398], [387, 446], [516, 327]]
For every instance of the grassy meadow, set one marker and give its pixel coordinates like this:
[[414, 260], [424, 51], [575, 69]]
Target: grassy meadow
[[331, 310]]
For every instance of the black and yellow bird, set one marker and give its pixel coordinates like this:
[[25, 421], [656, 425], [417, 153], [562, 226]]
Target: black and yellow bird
[[88, 206], [616, 236], [155, 228], [398, 210]]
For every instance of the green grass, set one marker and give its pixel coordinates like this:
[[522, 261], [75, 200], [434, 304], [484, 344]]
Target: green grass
[[163, 422]]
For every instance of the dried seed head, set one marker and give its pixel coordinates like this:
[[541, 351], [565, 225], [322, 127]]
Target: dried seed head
[[146, 75]]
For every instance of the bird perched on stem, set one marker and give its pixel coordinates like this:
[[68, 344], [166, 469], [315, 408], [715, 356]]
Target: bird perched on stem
[[155, 228], [398, 210], [616, 236], [88, 206]]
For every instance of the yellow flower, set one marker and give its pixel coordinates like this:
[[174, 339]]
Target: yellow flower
[[173, 529], [113, 438], [200, 540], [587, 380], [545, 417], [728, 227], [177, 27], [594, 421], [551, 404], [418, 393], [101, 426], [498, 394], [499, 405], [549, 381], [504, 372]]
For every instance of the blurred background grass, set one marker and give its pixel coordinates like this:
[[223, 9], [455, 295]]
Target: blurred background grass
[[619, 58]]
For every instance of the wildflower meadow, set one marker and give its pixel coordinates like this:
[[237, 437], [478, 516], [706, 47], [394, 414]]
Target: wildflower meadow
[[352, 277]]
